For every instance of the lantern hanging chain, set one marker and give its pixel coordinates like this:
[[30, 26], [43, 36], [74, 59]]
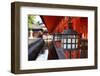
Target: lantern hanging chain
[[69, 19], [70, 22]]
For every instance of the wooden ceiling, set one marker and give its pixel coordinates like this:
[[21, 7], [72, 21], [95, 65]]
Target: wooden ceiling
[[59, 23]]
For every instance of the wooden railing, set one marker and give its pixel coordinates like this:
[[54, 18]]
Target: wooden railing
[[35, 48]]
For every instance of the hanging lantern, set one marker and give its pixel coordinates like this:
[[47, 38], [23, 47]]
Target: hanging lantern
[[70, 38], [68, 41]]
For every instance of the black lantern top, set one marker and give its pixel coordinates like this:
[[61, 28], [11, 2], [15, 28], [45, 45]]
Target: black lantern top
[[70, 32]]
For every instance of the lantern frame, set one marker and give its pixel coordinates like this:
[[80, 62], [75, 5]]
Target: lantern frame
[[64, 40]]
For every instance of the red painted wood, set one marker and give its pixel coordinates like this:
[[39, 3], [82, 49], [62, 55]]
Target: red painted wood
[[51, 22], [59, 23], [56, 24]]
